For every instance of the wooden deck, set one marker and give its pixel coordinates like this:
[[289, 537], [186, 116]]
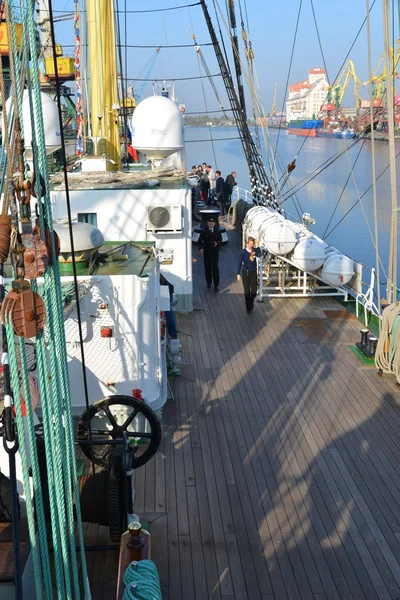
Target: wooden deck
[[278, 474]]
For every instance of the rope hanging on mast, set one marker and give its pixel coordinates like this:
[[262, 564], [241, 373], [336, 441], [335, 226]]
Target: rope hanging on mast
[[51, 358], [260, 184], [208, 73]]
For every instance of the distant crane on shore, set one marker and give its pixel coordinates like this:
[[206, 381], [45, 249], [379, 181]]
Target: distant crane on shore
[[273, 108]]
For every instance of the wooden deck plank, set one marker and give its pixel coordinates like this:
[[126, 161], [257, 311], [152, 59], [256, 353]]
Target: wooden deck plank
[[160, 478], [199, 574], [280, 480], [210, 461], [172, 546], [180, 482], [384, 549]]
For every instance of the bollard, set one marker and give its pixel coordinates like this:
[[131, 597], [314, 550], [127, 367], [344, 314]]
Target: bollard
[[373, 341], [364, 337], [363, 343]]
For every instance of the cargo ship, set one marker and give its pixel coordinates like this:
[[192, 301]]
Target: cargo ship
[[315, 128], [305, 127]]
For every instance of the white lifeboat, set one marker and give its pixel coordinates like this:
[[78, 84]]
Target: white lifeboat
[[338, 269], [258, 219], [309, 254], [279, 238]]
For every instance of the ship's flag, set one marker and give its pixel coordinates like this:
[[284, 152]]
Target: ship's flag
[[78, 108]]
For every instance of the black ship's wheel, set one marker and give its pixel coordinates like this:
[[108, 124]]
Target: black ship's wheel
[[111, 418]]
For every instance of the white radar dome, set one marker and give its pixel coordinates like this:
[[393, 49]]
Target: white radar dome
[[279, 238], [309, 254], [51, 122], [337, 270], [157, 126], [87, 239]]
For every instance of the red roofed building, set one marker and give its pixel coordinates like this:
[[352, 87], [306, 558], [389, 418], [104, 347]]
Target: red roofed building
[[306, 98]]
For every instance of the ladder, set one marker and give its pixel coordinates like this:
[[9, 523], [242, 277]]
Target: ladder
[[261, 188]]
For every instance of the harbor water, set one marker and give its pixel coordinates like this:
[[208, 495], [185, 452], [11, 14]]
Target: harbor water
[[354, 235]]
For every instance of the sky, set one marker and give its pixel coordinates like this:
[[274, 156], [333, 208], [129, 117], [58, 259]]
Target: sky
[[271, 28]]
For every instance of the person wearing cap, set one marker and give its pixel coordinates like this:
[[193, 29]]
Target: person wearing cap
[[247, 272], [209, 243]]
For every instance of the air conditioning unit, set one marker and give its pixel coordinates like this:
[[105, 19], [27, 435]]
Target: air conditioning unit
[[164, 218]]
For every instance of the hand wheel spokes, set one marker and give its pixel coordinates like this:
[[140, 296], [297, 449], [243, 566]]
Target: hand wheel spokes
[[141, 426]]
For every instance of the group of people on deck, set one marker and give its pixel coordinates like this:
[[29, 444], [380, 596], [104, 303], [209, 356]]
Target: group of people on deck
[[212, 188]]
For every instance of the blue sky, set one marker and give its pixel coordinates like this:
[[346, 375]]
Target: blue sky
[[271, 25]]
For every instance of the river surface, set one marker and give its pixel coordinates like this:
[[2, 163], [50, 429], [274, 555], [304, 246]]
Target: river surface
[[319, 197]]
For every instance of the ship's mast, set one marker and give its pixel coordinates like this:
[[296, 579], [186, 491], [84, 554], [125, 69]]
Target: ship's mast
[[260, 184], [103, 81], [236, 56]]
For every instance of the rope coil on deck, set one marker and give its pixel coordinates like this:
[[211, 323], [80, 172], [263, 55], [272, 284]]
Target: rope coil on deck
[[387, 357], [142, 581]]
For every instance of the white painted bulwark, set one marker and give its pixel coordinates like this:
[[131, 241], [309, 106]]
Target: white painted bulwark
[[122, 215]]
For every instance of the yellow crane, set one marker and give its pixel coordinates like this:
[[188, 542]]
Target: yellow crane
[[378, 79], [337, 89]]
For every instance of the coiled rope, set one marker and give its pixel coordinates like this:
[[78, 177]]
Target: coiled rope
[[141, 581], [387, 356]]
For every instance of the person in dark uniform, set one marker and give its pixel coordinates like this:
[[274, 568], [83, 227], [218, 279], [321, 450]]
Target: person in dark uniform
[[247, 272], [229, 184], [219, 191], [209, 243]]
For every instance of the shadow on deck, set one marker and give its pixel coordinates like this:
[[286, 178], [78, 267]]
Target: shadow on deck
[[280, 480]]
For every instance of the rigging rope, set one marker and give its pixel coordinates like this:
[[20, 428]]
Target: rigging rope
[[377, 258], [344, 188], [57, 420], [177, 78], [362, 196], [392, 276], [341, 67], [373, 240], [206, 107], [319, 38], [151, 10], [289, 70], [150, 46], [208, 73], [306, 180]]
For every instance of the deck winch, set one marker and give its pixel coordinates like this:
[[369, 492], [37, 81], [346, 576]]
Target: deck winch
[[119, 434]]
